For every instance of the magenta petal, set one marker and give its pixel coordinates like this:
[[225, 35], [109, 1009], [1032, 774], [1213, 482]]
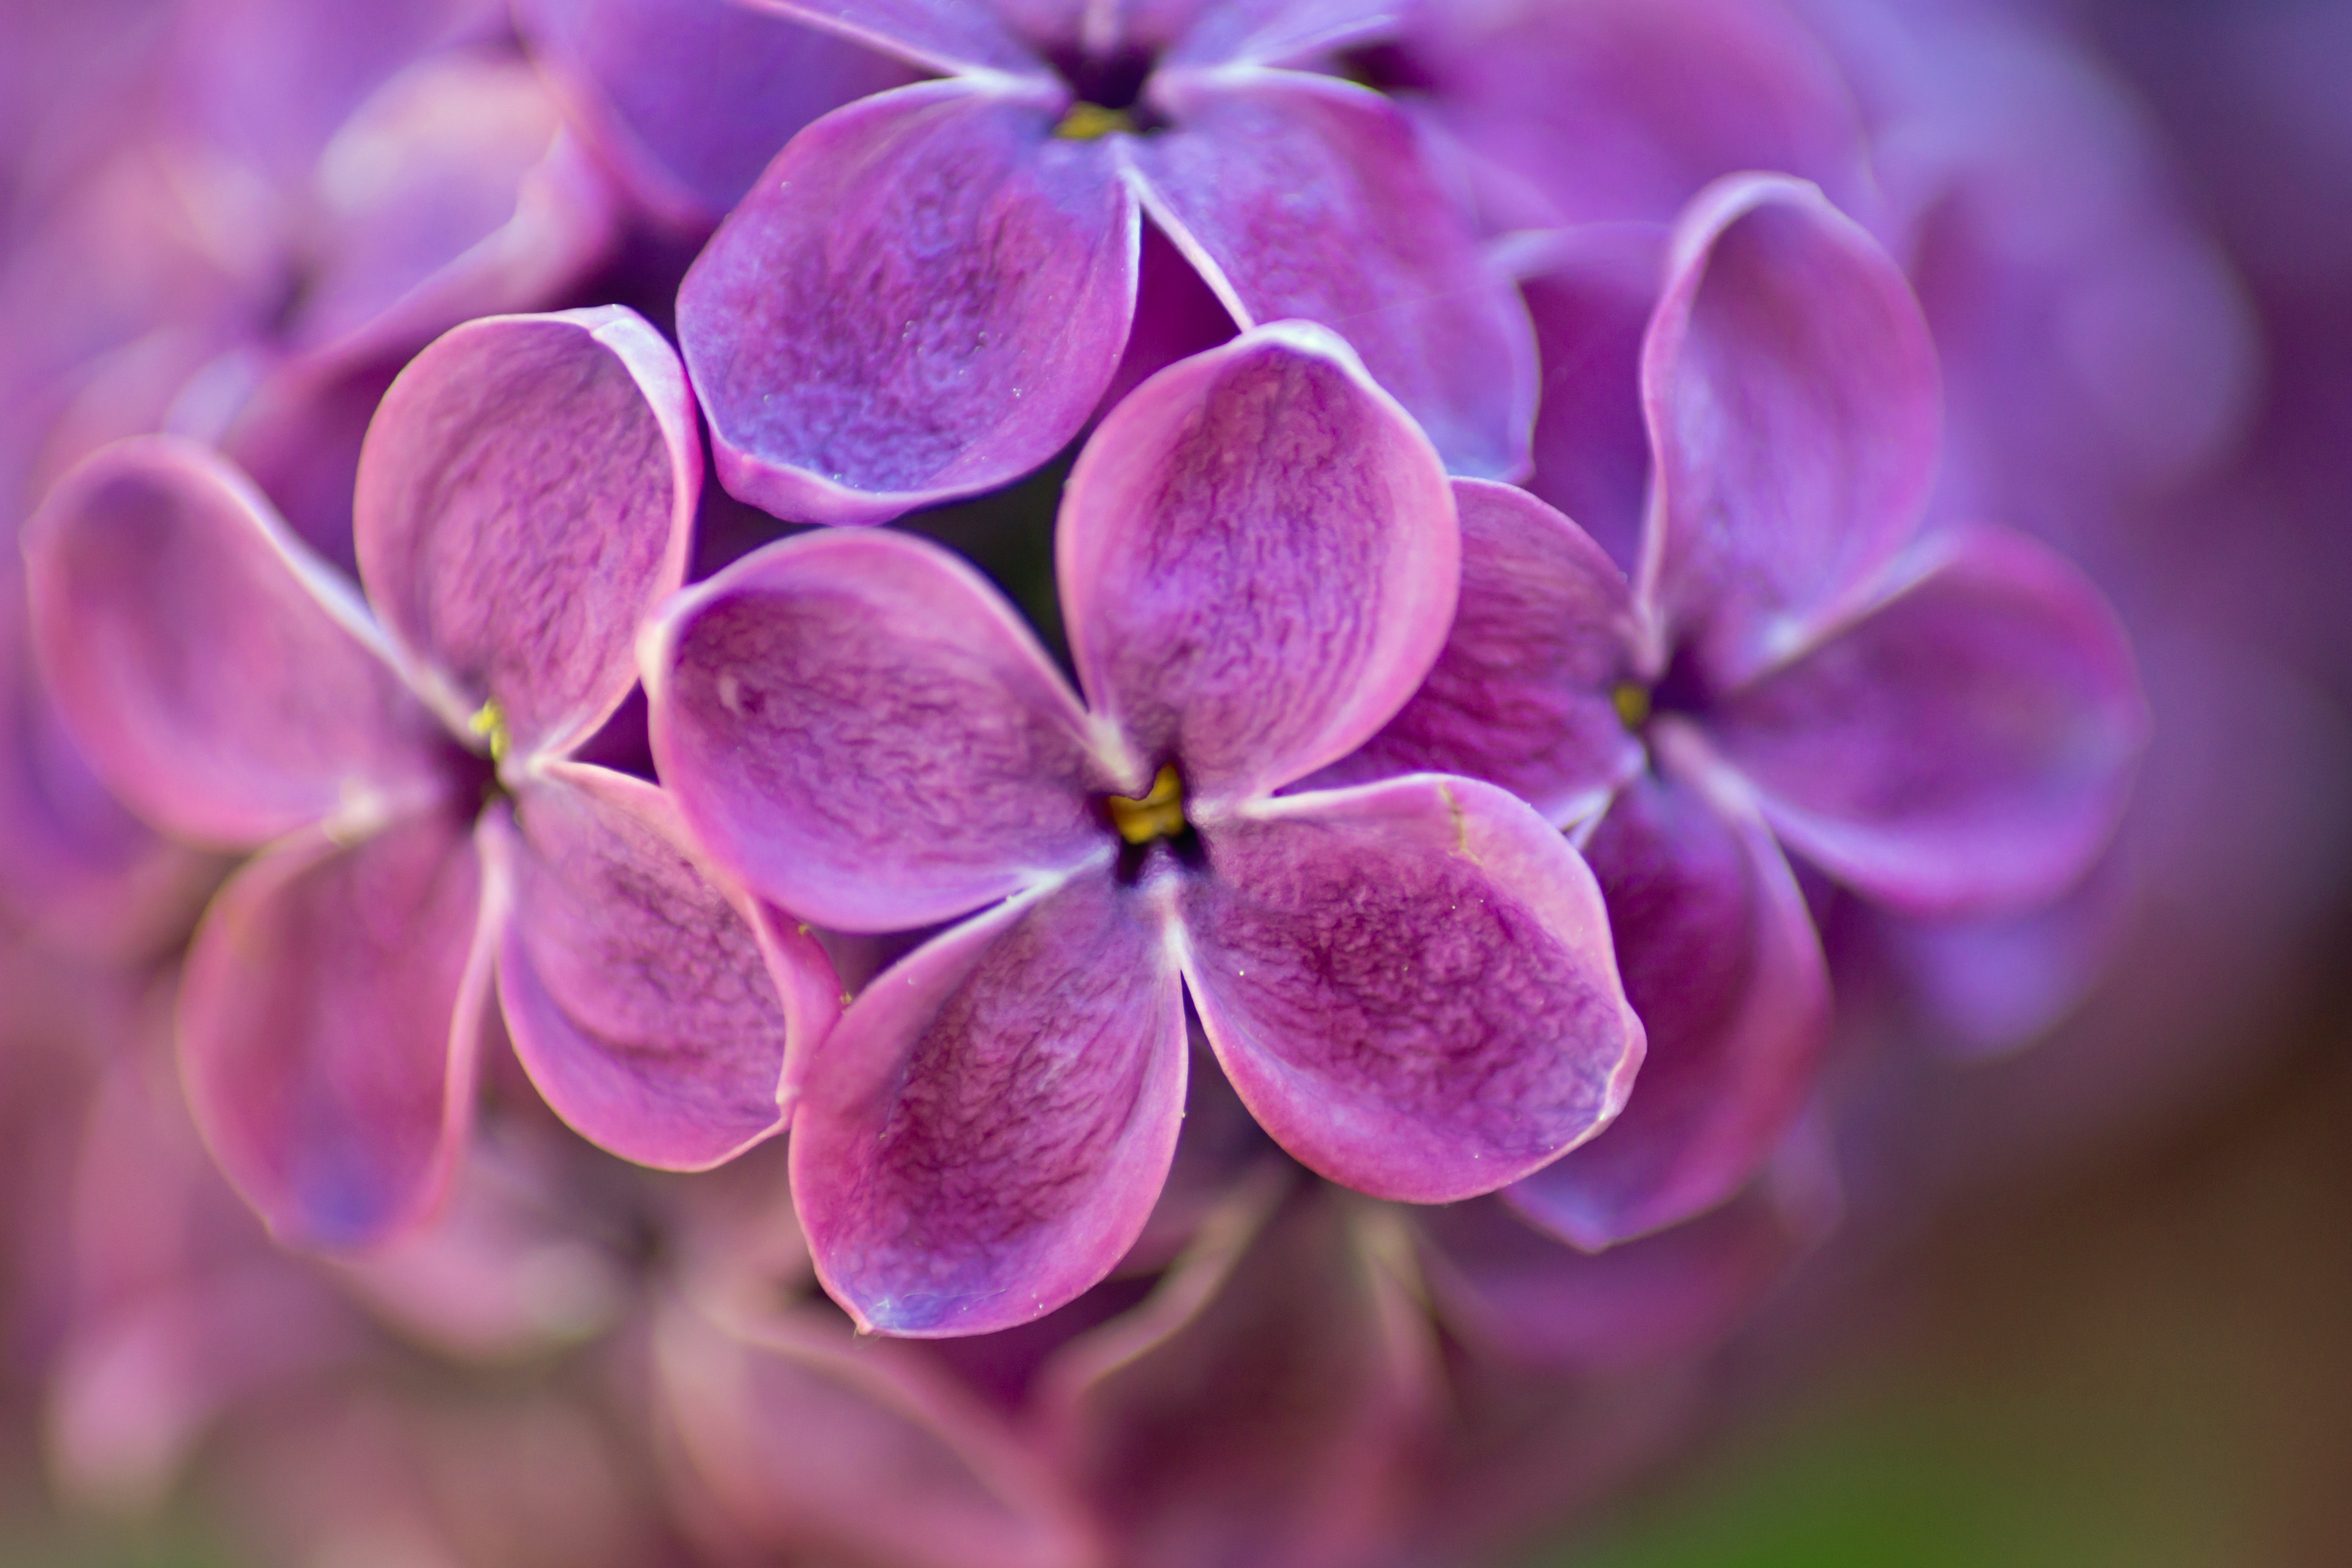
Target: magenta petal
[[224, 683], [636, 993], [1522, 695], [692, 98], [1305, 196], [948, 36], [859, 726], [1794, 412], [924, 297], [1963, 746], [526, 494], [984, 1136], [1721, 963], [329, 1019], [1409, 985], [1258, 556]]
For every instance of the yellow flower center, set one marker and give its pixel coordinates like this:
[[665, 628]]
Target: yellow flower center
[[1158, 815], [1092, 122], [491, 721], [1632, 700]]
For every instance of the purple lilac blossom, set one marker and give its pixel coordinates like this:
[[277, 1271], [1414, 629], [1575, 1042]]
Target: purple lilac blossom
[[927, 292], [1945, 722], [525, 492], [1409, 983]]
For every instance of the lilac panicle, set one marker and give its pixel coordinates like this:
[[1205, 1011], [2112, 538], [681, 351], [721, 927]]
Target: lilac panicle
[[927, 292], [1409, 983], [525, 492], [1945, 722]]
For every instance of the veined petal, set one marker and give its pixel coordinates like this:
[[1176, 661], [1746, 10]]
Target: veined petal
[[690, 98], [1966, 746], [329, 1021], [1409, 984], [1721, 961], [951, 36], [224, 683], [1794, 411], [1305, 196], [923, 298], [1522, 696], [636, 993], [1258, 555], [527, 492], [860, 729], [985, 1133]]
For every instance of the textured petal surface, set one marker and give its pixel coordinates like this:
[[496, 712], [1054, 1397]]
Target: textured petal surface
[[938, 34], [1522, 695], [329, 1018], [1721, 963], [692, 98], [526, 494], [1305, 197], [636, 993], [1258, 558], [812, 1439], [923, 297], [214, 673], [987, 1129], [1411, 985], [1794, 412], [860, 729], [1964, 746]]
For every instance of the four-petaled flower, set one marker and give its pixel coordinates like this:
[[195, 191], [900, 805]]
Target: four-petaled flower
[[525, 495], [1409, 984], [1945, 721]]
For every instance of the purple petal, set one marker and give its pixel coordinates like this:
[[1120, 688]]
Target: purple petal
[[1258, 556], [984, 1135], [1590, 298], [1963, 746], [810, 1439], [1522, 695], [329, 1020], [636, 993], [526, 494], [1721, 963], [453, 193], [923, 298], [1305, 197], [1268, 32], [692, 98], [860, 728], [223, 684], [1794, 412], [948, 36], [1409, 985]]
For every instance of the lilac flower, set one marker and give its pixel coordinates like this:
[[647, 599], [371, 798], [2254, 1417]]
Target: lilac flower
[[526, 491], [1409, 985], [1943, 721], [927, 292]]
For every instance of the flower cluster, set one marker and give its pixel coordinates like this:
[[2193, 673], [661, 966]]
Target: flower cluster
[[1513, 554]]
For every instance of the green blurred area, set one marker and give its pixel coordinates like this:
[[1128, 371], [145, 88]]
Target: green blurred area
[[2151, 1369]]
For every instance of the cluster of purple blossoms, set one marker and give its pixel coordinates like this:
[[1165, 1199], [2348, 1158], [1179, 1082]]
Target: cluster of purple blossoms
[[1248, 1012]]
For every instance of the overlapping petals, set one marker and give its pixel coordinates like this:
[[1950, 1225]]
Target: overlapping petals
[[928, 291], [525, 495], [1949, 724], [1409, 984]]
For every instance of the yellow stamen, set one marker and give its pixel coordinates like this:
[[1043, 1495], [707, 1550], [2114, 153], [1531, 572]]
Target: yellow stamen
[[1092, 122], [490, 720], [1158, 815], [1632, 700]]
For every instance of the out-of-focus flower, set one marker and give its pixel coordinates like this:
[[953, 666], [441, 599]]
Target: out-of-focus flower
[[1408, 983], [1945, 723], [525, 495], [928, 291]]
